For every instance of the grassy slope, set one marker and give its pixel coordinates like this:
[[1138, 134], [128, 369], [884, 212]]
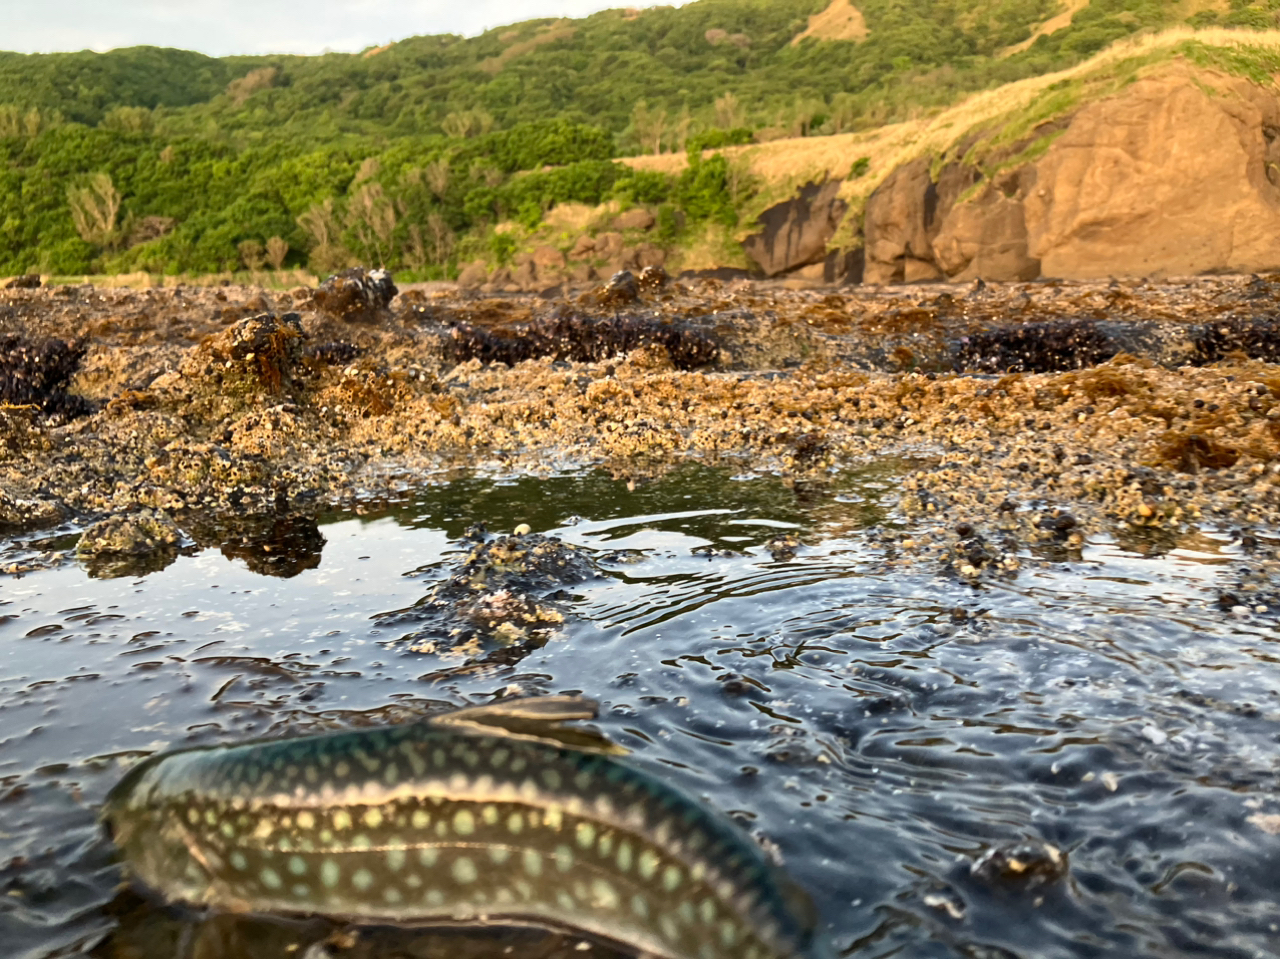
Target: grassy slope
[[257, 156], [1006, 115]]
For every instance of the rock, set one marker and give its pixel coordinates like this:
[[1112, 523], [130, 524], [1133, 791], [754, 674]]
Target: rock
[[897, 222], [583, 273], [526, 276], [919, 271], [1177, 174], [258, 353], [637, 219], [356, 295], [502, 281], [143, 532], [621, 289], [473, 276], [548, 260], [1024, 866], [28, 281], [583, 247], [17, 513], [648, 255], [1166, 178], [135, 545], [795, 232], [652, 278], [609, 245]]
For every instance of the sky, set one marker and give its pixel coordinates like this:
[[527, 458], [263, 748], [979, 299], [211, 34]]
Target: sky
[[221, 27]]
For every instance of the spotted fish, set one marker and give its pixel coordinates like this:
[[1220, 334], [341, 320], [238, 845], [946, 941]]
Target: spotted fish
[[489, 814]]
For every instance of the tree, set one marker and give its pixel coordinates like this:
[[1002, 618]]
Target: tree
[[372, 217], [252, 255], [277, 250], [94, 209], [649, 125], [728, 111]]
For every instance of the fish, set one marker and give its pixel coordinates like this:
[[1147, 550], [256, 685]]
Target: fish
[[492, 814]]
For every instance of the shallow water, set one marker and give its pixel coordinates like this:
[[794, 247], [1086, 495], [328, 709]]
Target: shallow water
[[882, 728]]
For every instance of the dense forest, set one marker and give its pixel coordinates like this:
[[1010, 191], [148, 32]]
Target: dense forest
[[409, 155]]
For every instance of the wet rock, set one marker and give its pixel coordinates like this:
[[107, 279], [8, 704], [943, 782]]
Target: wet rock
[[795, 233], [652, 278], [582, 340], [356, 295], [17, 513], [1023, 867], [622, 288], [28, 281], [637, 219], [508, 590], [38, 372], [258, 353], [583, 247], [143, 542], [336, 353]]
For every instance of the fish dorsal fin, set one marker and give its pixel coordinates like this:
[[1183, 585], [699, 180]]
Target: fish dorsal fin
[[537, 718]]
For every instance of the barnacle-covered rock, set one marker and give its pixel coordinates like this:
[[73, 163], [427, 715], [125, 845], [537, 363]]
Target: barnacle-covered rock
[[258, 354], [508, 590], [356, 295], [142, 542]]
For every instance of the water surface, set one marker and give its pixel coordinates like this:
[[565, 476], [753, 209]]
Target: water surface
[[880, 729]]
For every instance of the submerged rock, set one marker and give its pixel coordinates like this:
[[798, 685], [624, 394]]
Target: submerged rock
[[508, 590]]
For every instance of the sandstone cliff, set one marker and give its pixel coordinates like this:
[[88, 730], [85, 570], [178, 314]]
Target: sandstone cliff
[[1178, 173]]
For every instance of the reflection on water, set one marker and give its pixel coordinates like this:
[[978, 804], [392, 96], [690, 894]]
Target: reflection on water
[[898, 738]]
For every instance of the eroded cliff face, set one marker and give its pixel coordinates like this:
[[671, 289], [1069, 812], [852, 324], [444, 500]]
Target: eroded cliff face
[[1179, 174]]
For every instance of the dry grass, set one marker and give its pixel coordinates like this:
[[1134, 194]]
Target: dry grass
[[840, 21], [1052, 25], [545, 34]]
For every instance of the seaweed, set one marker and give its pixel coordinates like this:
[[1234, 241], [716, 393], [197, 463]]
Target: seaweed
[[1046, 347], [36, 373], [581, 340]]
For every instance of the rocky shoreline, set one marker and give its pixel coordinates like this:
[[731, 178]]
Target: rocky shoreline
[[1028, 417]]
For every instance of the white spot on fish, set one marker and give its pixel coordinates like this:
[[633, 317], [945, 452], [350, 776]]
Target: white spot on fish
[[564, 858], [428, 856], [373, 818], [330, 873], [464, 822], [648, 863], [270, 878], [362, 879], [464, 870], [603, 895], [532, 861]]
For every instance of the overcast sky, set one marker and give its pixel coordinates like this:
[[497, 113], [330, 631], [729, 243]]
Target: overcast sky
[[220, 27]]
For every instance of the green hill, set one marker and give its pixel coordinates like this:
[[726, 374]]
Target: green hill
[[168, 160]]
